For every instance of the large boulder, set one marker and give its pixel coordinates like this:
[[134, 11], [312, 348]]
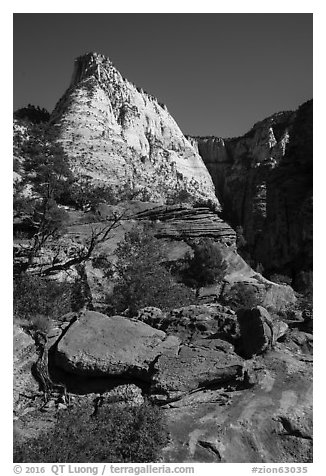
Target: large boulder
[[241, 278], [194, 367], [97, 345], [258, 330], [241, 290]]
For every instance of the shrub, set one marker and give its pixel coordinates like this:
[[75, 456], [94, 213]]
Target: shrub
[[259, 268], [37, 300], [101, 261], [206, 203], [86, 196], [46, 167], [117, 434], [46, 173], [180, 196], [241, 240], [207, 265], [36, 115], [242, 296], [39, 323], [142, 279]]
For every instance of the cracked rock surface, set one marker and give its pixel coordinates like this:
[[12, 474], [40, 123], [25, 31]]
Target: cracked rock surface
[[98, 345]]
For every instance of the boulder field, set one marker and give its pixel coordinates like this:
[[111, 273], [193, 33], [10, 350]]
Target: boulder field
[[230, 389], [234, 387], [96, 345]]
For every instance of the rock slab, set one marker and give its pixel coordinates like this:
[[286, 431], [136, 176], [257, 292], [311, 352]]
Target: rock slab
[[194, 367], [270, 422], [97, 345]]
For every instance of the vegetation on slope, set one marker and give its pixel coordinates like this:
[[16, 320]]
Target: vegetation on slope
[[141, 278], [117, 434], [33, 114]]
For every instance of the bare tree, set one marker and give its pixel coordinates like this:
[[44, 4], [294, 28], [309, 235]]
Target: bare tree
[[99, 234]]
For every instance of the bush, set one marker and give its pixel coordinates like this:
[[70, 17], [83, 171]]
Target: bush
[[207, 265], [259, 268], [37, 300], [36, 115], [102, 262], [206, 203], [241, 240], [141, 278], [179, 197], [86, 196], [117, 434], [46, 173], [46, 168], [39, 323], [242, 296]]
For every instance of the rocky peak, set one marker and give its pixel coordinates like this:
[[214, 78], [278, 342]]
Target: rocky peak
[[116, 133], [90, 64]]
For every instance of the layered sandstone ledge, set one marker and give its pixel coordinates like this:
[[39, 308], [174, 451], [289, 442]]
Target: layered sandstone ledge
[[180, 221]]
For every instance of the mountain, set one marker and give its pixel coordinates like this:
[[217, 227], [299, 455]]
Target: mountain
[[116, 133], [120, 135], [112, 305], [263, 181]]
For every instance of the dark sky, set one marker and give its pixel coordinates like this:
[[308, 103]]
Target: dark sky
[[218, 74]]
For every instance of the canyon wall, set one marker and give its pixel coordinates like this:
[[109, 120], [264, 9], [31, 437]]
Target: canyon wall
[[263, 181], [116, 133]]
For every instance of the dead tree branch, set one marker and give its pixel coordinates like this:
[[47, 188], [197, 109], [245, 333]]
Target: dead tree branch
[[98, 235]]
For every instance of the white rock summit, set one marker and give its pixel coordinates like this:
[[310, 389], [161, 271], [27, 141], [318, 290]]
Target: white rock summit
[[116, 133]]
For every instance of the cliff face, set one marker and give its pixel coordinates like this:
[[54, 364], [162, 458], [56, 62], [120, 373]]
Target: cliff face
[[116, 133], [263, 181]]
